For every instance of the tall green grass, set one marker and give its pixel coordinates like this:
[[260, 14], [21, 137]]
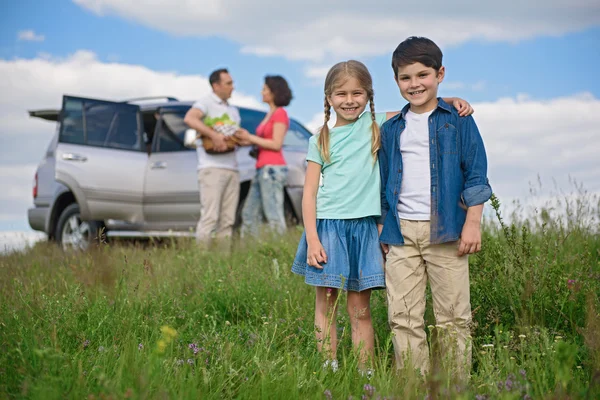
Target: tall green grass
[[168, 320]]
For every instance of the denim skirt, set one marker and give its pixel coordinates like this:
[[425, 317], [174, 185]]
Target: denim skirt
[[354, 259]]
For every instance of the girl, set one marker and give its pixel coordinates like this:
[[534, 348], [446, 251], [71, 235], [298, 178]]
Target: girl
[[266, 194], [340, 246]]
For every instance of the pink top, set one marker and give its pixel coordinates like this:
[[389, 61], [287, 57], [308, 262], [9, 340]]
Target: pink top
[[265, 130]]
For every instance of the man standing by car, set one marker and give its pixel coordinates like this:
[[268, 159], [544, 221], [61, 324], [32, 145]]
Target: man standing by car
[[218, 176]]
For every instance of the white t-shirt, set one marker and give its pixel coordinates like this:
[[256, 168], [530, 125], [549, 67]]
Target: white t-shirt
[[414, 201], [214, 107]]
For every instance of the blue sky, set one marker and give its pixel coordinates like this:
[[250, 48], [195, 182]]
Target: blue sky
[[509, 66]]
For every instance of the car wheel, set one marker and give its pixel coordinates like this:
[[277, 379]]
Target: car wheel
[[72, 233]]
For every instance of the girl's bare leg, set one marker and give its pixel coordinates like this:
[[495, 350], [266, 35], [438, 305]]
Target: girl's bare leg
[[325, 321], [363, 337]]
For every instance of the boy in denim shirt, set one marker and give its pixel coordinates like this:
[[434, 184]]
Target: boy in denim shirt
[[433, 186]]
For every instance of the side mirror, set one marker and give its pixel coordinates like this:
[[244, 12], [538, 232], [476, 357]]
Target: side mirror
[[189, 140]]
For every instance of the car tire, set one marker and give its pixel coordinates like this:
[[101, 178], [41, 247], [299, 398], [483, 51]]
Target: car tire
[[73, 234]]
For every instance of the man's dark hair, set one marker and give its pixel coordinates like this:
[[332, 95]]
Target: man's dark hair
[[417, 49], [282, 94], [215, 76]]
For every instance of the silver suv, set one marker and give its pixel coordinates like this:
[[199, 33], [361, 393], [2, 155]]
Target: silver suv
[[123, 166]]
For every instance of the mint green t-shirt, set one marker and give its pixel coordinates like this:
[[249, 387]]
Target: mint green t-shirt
[[350, 181]]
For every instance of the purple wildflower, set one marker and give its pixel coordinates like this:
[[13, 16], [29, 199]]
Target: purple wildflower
[[140, 346], [86, 344], [327, 394], [523, 373], [369, 389]]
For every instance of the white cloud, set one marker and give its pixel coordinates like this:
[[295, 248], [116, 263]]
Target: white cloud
[[555, 139], [315, 30], [17, 241], [37, 83], [30, 36]]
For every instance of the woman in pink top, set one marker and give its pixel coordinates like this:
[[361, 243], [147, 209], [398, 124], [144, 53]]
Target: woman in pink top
[[266, 195]]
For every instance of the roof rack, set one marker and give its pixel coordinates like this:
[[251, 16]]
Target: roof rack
[[169, 98]]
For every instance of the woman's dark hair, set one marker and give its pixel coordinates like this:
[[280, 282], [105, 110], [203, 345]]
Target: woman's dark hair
[[282, 94]]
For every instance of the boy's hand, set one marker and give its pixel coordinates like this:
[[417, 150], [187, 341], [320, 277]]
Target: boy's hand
[[315, 254], [463, 107], [470, 238]]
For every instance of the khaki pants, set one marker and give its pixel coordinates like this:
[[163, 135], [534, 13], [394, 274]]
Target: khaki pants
[[407, 270], [219, 197]]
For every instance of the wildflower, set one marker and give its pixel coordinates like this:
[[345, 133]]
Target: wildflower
[[327, 394], [522, 336], [140, 346], [227, 323], [190, 361], [86, 344], [508, 384], [527, 397], [369, 389], [179, 362], [523, 373], [168, 332], [100, 349], [161, 345], [480, 397], [194, 347]]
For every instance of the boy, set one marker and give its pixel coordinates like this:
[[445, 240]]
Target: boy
[[433, 185]]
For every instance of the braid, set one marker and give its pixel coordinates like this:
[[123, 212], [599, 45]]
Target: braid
[[324, 134], [375, 138]]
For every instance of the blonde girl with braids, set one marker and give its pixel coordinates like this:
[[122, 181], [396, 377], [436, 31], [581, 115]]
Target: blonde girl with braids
[[341, 202]]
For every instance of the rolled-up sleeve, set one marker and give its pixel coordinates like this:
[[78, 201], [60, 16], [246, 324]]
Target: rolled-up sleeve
[[477, 189]]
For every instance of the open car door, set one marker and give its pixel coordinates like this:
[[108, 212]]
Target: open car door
[[100, 157]]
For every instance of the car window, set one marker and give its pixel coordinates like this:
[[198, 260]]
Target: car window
[[297, 136], [98, 120], [71, 129], [100, 123], [251, 119], [123, 132], [171, 131]]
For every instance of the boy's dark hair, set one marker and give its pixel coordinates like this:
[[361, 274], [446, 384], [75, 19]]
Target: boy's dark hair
[[215, 76], [282, 94], [417, 49]]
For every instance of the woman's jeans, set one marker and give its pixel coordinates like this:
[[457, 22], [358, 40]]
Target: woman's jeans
[[265, 198]]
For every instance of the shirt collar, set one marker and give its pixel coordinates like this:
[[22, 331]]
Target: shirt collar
[[442, 105], [218, 99]]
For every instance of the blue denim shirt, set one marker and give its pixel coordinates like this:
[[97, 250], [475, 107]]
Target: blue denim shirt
[[458, 167]]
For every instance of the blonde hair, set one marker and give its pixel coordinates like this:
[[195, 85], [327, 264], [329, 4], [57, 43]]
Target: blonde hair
[[335, 78]]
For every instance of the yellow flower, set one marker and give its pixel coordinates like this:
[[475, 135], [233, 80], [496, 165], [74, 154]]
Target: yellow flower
[[168, 332], [161, 345]]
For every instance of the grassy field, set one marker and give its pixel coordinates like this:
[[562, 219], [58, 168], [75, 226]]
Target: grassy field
[[169, 321]]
